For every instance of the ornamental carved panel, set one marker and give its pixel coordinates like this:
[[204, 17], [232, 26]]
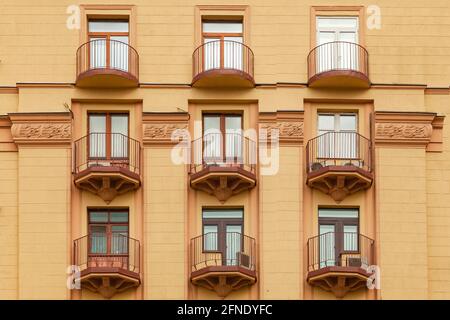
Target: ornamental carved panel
[[39, 132], [403, 131], [161, 132], [288, 130]]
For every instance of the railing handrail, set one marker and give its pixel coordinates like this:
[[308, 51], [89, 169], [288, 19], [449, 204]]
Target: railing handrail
[[239, 233], [239, 134], [107, 234], [334, 232], [107, 133], [222, 41], [108, 40], [337, 132], [334, 42]]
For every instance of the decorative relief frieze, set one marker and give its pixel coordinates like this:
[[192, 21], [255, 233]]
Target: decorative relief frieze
[[41, 131], [158, 128], [409, 128], [162, 131], [289, 125], [287, 130], [403, 131]]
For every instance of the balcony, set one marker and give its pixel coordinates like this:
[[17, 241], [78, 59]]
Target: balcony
[[223, 164], [339, 164], [338, 64], [109, 263], [223, 262], [106, 63], [338, 261], [107, 164], [223, 63]]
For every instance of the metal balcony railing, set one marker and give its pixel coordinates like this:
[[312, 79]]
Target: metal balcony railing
[[340, 249], [339, 149], [107, 250], [223, 150], [106, 150], [227, 249], [105, 54], [223, 55], [338, 56]]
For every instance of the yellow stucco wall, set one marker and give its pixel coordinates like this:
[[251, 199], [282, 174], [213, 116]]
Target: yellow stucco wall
[[412, 186]]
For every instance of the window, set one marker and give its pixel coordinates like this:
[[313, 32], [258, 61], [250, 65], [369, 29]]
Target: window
[[338, 138], [108, 44], [338, 230], [222, 232], [108, 232], [222, 138], [223, 45], [108, 135], [340, 33]]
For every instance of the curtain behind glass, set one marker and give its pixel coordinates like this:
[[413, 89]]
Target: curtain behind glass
[[97, 136], [119, 136]]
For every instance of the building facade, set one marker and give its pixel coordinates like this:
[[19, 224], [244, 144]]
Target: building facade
[[224, 150]]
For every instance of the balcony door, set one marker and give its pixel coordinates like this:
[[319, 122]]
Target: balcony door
[[108, 47], [338, 235], [337, 138], [222, 139], [108, 235], [223, 233], [335, 36], [222, 45], [108, 136]]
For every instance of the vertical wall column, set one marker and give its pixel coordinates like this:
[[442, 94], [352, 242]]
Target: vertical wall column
[[44, 172], [281, 232], [165, 191]]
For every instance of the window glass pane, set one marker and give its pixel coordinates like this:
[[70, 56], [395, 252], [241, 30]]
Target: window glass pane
[[119, 239], [234, 239], [108, 26], [98, 216], [97, 123], [222, 27], [233, 53], [348, 122], [326, 122], [119, 216], [337, 22], [233, 137], [211, 53], [350, 238], [210, 237], [338, 213], [119, 136], [219, 214]]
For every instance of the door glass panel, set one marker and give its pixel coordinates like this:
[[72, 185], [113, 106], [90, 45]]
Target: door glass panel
[[348, 139], [350, 238], [97, 53], [98, 240], [233, 53], [212, 139], [335, 23], [119, 136], [118, 53], [348, 52], [210, 238], [233, 243], [223, 214], [119, 239], [97, 136], [325, 59], [233, 137], [325, 141], [211, 53], [327, 245], [222, 27]]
